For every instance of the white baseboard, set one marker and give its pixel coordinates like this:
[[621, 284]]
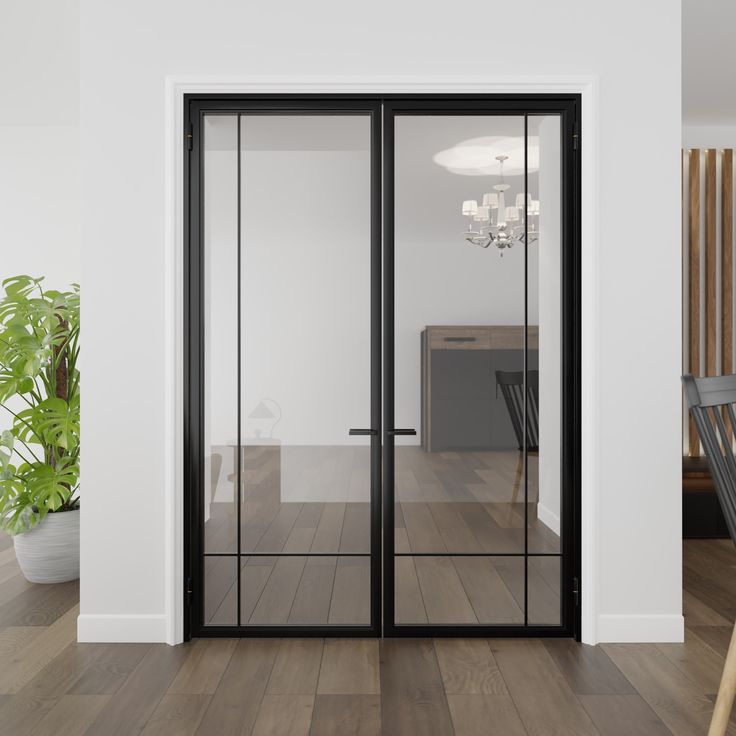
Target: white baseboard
[[129, 628], [548, 518], [636, 628]]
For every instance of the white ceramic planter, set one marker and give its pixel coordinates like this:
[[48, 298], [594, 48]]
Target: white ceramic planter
[[49, 553]]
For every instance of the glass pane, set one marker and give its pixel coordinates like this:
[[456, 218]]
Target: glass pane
[[459, 590], [305, 365], [459, 345], [544, 289], [459, 321], [544, 590], [221, 324], [221, 591]]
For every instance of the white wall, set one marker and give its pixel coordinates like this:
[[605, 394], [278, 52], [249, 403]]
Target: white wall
[[709, 136], [39, 140], [632, 578]]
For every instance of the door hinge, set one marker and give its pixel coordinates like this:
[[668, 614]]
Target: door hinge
[[576, 591], [189, 591], [190, 137], [575, 138]]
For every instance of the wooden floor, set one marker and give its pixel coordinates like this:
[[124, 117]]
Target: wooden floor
[[52, 686], [449, 504]]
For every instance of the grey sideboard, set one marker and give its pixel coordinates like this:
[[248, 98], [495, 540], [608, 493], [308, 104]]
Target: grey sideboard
[[461, 409]]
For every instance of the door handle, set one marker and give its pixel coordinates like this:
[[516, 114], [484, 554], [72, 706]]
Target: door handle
[[402, 431], [371, 432]]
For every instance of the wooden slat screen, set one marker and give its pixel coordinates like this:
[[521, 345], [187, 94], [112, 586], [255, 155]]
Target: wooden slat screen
[[708, 268]]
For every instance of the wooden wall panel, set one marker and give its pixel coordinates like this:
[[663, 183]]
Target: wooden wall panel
[[694, 285], [713, 326], [727, 260], [710, 262]]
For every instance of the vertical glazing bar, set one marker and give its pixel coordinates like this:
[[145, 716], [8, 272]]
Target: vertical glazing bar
[[375, 378], [239, 453], [526, 376], [388, 371]]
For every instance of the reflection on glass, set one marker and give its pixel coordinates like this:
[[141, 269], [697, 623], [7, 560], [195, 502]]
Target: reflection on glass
[[544, 284], [471, 198], [220, 172], [302, 341]]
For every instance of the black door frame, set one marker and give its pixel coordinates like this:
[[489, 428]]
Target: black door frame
[[382, 109]]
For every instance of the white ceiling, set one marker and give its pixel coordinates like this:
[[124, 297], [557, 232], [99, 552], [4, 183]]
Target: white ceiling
[[708, 62]]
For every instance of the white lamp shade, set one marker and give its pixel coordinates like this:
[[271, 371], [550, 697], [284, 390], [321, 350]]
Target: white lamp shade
[[484, 213], [470, 207], [490, 200], [512, 214], [534, 207], [520, 200]]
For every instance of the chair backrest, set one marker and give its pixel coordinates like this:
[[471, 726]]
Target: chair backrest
[[512, 389], [711, 401], [215, 467]]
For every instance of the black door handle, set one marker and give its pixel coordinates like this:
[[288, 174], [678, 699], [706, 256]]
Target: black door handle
[[402, 431], [371, 432]]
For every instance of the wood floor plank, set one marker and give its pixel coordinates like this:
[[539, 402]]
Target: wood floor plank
[[284, 715], [408, 599], [275, 603], [137, 698], [348, 715], [615, 715], [202, 670], [697, 660], [87, 669], [20, 713], [445, 599], [314, 595], [546, 704], [489, 596], [177, 715], [234, 706], [351, 592], [71, 716], [350, 667], [413, 699], [588, 670], [489, 715], [698, 613], [329, 529], [296, 669], [25, 664], [39, 605], [680, 703], [468, 666]]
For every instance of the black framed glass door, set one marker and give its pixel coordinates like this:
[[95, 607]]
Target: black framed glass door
[[382, 374], [284, 293], [480, 317]]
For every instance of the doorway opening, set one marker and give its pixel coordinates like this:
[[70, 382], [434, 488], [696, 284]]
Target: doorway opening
[[382, 365]]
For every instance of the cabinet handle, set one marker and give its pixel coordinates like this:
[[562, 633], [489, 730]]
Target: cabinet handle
[[370, 432], [459, 339], [402, 431]]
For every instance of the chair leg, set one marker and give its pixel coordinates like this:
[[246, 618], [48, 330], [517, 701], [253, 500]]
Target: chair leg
[[726, 691]]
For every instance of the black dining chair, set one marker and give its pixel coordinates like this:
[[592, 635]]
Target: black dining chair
[[511, 384], [711, 401]]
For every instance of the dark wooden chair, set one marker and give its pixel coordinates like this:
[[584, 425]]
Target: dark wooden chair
[[511, 384], [711, 401]]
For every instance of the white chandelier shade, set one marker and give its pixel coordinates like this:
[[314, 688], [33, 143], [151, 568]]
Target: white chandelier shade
[[495, 223]]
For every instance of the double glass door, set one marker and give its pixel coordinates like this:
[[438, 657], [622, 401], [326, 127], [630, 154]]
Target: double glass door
[[381, 366]]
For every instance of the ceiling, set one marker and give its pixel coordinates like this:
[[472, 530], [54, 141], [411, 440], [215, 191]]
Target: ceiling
[[709, 62]]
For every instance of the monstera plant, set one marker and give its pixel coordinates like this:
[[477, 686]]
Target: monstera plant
[[39, 395]]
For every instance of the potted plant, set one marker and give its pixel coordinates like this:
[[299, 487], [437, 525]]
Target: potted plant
[[39, 451]]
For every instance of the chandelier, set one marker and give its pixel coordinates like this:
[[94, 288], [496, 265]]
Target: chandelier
[[494, 223]]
